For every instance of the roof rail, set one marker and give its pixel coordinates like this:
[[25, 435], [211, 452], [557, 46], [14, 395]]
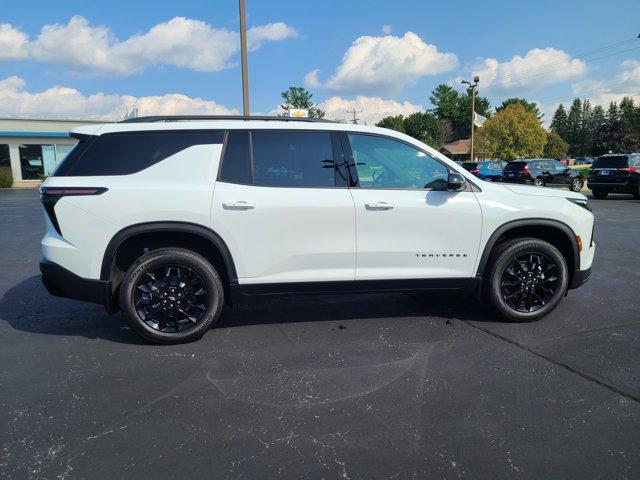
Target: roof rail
[[179, 118]]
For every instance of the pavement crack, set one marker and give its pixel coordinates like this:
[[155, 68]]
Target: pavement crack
[[569, 368]]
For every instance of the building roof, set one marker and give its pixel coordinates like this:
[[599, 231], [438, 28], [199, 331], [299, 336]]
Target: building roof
[[459, 147]]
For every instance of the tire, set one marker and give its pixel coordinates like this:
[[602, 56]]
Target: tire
[[188, 312], [577, 184], [600, 194], [538, 182], [499, 289], [488, 179]]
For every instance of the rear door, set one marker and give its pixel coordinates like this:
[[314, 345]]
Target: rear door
[[408, 226], [284, 208]]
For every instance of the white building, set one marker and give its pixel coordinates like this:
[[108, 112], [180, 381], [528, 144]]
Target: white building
[[32, 147]]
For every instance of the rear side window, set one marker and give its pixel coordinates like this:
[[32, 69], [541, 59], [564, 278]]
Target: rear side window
[[128, 153], [292, 158], [468, 166], [620, 161], [514, 166], [236, 164]]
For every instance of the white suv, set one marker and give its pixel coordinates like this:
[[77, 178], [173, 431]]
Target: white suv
[[168, 218]]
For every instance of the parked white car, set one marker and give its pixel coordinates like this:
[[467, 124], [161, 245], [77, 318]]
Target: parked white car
[[168, 218]]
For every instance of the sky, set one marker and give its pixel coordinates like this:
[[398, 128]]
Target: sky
[[80, 59]]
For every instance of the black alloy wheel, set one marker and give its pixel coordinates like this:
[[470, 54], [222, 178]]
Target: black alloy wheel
[[171, 295], [538, 182], [529, 282], [171, 298], [527, 278]]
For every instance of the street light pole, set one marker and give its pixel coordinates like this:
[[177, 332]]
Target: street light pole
[[472, 86], [243, 55]]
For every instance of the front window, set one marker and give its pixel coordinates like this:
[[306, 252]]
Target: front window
[[385, 163]]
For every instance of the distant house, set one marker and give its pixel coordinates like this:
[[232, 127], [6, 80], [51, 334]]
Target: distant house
[[459, 150]]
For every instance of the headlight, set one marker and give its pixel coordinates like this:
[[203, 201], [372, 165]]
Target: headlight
[[580, 201]]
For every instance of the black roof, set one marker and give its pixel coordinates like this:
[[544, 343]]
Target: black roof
[[179, 118]]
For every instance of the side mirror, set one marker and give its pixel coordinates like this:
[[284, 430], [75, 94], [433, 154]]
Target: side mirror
[[456, 182]]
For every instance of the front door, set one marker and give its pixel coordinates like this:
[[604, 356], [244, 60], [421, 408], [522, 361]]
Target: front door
[[281, 211], [408, 226]]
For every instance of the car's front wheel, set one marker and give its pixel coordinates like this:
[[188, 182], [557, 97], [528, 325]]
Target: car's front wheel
[[171, 295], [538, 182], [527, 279], [577, 184]]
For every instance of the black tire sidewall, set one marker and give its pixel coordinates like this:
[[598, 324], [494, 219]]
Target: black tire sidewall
[[180, 257], [504, 257], [573, 183], [538, 182]]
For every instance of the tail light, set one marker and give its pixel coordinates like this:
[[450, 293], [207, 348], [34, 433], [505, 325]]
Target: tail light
[[527, 171], [628, 169], [49, 196], [475, 172]]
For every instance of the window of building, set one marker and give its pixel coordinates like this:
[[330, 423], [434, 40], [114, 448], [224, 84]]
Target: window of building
[[292, 158], [5, 160], [385, 163], [32, 161]]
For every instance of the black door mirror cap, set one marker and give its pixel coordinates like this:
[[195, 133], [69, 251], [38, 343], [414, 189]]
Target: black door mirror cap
[[456, 182]]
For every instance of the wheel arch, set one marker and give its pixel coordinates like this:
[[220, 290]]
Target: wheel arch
[[559, 234], [131, 242]]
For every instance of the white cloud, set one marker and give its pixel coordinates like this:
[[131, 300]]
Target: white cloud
[[538, 67], [13, 43], [602, 92], [386, 29], [372, 108], [68, 102], [384, 65], [181, 41]]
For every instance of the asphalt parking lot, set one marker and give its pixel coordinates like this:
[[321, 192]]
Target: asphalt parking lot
[[366, 386]]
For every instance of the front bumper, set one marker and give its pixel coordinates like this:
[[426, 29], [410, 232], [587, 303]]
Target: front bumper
[[60, 282]]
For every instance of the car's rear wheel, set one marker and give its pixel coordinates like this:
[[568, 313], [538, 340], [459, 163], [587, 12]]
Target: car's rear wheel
[[488, 179], [538, 182], [527, 279], [600, 194], [171, 295], [577, 184]]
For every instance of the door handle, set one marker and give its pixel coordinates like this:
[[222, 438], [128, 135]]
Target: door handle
[[379, 206], [239, 205]]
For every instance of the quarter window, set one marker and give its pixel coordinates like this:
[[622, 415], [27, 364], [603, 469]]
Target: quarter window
[[292, 159], [385, 163]]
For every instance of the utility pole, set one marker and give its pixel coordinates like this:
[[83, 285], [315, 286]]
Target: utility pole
[[472, 87], [243, 55], [355, 112]]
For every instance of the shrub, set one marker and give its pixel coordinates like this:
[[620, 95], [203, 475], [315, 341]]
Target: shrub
[[6, 179]]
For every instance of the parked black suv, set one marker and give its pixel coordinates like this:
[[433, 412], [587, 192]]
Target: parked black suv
[[542, 172], [615, 173]]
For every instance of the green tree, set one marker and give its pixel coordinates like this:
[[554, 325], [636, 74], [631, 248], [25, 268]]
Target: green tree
[[630, 113], [512, 133], [394, 122], [462, 125], [531, 107], [299, 97], [574, 127], [617, 137], [425, 127], [613, 112], [559, 121], [445, 100], [555, 147]]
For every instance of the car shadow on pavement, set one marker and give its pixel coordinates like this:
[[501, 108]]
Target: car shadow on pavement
[[28, 307]]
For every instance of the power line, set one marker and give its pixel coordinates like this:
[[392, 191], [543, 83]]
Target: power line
[[354, 112], [577, 56]]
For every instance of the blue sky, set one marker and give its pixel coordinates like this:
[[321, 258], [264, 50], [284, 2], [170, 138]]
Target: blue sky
[[117, 54]]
